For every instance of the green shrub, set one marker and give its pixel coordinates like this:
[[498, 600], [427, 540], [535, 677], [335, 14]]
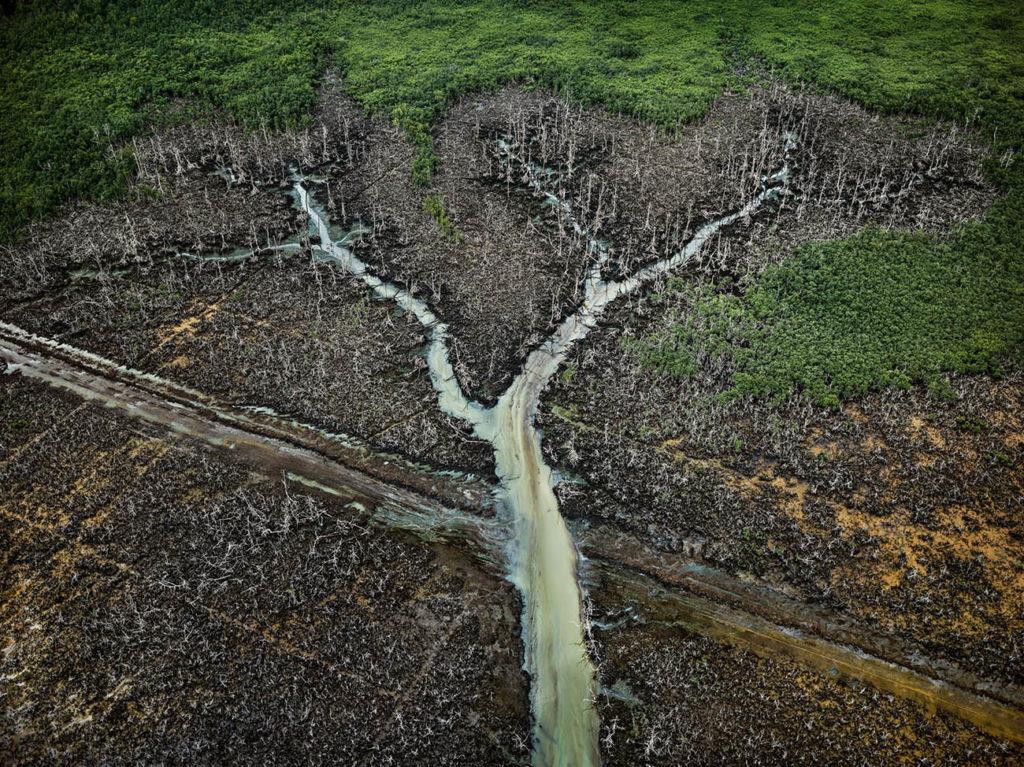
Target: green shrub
[[434, 205], [877, 309]]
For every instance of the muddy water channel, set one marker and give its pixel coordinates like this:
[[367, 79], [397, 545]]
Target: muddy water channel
[[543, 557]]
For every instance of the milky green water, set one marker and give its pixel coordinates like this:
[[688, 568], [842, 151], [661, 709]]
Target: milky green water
[[543, 558]]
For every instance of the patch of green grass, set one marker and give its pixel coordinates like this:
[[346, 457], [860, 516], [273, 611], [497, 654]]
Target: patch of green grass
[[434, 205], [877, 309], [1000, 458], [971, 424], [570, 416]]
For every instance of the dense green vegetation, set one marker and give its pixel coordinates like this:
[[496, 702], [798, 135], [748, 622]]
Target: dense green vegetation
[[843, 317], [77, 79]]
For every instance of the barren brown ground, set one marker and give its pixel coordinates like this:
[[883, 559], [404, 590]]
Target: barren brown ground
[[674, 696], [140, 559], [158, 601]]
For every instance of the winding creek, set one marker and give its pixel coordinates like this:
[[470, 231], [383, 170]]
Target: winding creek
[[543, 556]]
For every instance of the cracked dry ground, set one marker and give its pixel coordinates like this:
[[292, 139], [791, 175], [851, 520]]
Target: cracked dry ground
[[165, 604]]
